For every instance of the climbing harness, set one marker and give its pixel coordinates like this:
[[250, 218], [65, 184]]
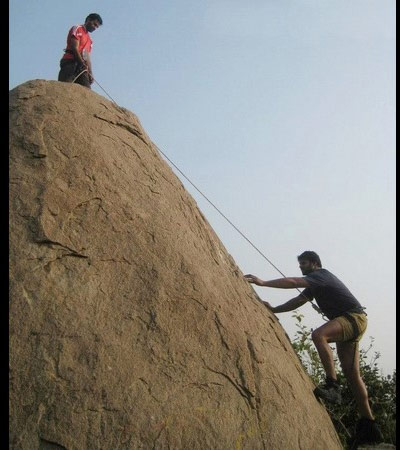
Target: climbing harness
[[224, 216]]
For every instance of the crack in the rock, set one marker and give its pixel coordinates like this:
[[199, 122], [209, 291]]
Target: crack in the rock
[[197, 301], [46, 241], [50, 445], [243, 390], [126, 126], [253, 358], [158, 436], [123, 260], [219, 326]]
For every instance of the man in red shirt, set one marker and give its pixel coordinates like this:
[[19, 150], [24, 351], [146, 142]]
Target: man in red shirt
[[75, 65]]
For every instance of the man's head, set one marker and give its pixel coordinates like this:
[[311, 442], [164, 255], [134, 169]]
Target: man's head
[[92, 22], [308, 262]]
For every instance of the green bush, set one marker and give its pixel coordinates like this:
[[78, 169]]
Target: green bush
[[381, 389]]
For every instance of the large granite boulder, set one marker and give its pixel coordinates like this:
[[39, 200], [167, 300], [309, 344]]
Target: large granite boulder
[[131, 327]]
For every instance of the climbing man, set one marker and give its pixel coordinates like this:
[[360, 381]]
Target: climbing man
[[75, 65], [347, 324]]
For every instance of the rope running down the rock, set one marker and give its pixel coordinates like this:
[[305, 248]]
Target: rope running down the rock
[[217, 209]]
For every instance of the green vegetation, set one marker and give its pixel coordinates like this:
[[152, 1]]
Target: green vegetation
[[381, 389]]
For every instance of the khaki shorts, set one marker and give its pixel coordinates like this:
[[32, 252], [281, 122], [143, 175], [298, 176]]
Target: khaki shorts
[[348, 329]]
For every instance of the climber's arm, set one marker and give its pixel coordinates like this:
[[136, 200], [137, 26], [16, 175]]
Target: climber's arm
[[280, 283], [290, 305]]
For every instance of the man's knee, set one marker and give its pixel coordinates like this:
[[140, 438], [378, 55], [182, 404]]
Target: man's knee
[[317, 336]]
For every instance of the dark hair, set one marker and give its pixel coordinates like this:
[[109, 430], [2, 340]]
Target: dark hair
[[310, 256], [94, 16]]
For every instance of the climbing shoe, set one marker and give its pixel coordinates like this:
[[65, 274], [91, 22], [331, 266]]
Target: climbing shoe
[[330, 391], [367, 432]]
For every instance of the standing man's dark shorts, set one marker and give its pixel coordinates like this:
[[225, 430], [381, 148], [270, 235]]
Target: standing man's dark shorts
[[70, 69]]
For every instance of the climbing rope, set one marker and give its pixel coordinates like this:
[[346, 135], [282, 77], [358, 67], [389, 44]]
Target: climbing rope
[[83, 71], [104, 91], [236, 228], [221, 213]]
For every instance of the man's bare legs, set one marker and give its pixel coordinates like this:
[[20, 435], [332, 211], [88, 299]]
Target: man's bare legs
[[349, 360], [322, 336]]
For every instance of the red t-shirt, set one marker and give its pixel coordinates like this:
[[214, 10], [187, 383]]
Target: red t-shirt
[[85, 43]]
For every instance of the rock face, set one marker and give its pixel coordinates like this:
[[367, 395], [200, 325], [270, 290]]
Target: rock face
[[131, 327]]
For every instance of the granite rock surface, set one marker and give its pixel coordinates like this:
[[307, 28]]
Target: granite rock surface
[[131, 326]]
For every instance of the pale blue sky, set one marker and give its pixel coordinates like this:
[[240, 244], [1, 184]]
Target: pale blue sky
[[282, 113]]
